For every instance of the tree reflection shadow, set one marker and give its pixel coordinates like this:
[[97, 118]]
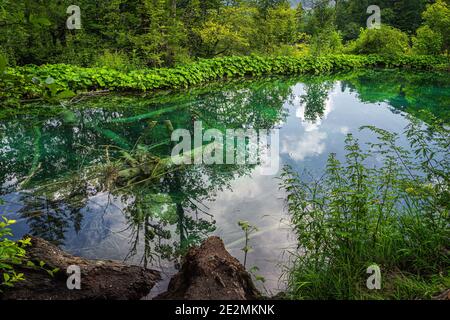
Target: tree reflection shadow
[[114, 151]]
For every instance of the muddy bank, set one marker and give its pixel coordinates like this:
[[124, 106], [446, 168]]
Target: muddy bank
[[100, 279], [208, 272]]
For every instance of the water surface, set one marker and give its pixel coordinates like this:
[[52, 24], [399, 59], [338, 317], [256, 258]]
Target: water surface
[[49, 154]]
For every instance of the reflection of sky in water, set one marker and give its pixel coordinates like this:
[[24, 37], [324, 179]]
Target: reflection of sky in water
[[303, 144]]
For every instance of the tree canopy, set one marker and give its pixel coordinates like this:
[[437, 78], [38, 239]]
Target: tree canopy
[[154, 33]]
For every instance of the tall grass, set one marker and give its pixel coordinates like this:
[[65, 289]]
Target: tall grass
[[386, 206]]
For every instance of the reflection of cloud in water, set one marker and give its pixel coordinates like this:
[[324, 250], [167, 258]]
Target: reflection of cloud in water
[[312, 141], [102, 235], [344, 130], [256, 199]]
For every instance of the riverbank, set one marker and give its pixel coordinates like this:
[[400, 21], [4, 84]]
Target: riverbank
[[62, 81], [208, 272], [98, 279]]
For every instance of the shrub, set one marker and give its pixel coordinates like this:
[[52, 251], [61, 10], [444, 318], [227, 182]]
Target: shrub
[[115, 60], [385, 41], [3, 63], [427, 41], [437, 17], [326, 43]]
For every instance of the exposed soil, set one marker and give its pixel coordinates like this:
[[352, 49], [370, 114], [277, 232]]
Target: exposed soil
[[209, 272], [100, 279]]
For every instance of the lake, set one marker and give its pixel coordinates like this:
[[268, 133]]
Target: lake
[[59, 164]]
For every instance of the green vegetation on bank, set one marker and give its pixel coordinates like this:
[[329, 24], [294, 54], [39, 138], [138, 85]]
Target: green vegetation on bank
[[11, 253], [148, 45], [64, 81], [387, 206]]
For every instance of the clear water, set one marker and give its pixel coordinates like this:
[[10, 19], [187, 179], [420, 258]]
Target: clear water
[[49, 154]]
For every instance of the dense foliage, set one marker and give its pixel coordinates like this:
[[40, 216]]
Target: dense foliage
[[393, 214], [385, 40], [63, 81], [377, 207], [127, 35]]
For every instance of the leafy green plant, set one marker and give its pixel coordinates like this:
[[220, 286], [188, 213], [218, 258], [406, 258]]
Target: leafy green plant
[[61, 81], [427, 41], [11, 253], [326, 42], [437, 17], [393, 214], [248, 230], [116, 60]]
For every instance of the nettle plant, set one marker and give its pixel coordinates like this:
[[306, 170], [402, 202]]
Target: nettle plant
[[387, 206]]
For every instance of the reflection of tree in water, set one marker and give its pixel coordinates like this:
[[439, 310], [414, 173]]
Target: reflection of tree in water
[[405, 91], [165, 215], [259, 105], [189, 188], [50, 219], [314, 100], [52, 212], [171, 216]]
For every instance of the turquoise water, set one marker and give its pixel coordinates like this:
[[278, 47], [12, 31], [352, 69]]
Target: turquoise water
[[57, 172]]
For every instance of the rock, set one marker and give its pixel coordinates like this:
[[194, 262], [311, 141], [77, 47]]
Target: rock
[[100, 279], [209, 272]]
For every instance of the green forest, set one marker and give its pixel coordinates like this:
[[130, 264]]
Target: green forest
[[127, 35], [92, 94]]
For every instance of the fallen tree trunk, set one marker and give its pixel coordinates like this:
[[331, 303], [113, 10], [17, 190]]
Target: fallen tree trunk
[[100, 279], [209, 272]]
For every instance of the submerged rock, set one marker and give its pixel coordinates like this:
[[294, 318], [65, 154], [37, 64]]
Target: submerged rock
[[209, 272], [100, 279]]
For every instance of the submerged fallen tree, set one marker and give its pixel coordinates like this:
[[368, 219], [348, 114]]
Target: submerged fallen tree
[[100, 279]]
